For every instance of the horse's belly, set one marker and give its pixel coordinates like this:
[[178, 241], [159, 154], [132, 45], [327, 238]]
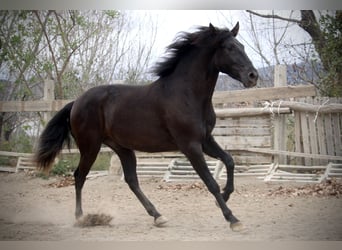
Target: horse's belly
[[143, 139]]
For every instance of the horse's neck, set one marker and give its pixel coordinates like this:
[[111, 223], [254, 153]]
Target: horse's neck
[[196, 72]]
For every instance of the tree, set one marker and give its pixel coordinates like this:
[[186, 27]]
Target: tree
[[268, 40], [76, 49], [331, 53], [19, 47], [57, 30], [138, 61], [326, 36]]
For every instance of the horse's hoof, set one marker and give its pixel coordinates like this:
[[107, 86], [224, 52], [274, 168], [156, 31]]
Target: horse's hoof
[[160, 221], [237, 226]]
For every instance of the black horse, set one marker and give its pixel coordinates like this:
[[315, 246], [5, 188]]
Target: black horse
[[173, 113]]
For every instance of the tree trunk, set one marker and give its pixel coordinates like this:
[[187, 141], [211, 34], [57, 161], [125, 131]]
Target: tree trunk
[[310, 24]]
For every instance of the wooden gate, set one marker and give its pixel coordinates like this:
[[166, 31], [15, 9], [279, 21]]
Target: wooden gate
[[318, 132], [313, 135]]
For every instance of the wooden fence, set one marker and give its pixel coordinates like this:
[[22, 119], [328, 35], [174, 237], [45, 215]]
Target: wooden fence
[[318, 129], [237, 128], [284, 124]]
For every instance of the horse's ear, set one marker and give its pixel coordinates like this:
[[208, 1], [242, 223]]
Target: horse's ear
[[235, 30], [212, 28]]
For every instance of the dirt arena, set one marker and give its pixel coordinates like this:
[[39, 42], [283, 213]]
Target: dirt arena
[[35, 209]]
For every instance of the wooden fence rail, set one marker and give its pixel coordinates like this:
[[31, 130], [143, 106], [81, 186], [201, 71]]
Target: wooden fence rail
[[33, 106], [258, 94], [308, 107], [247, 95]]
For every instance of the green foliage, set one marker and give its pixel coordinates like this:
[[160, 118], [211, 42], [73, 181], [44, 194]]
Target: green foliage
[[63, 168], [102, 162], [19, 142], [331, 26], [5, 161], [67, 164], [112, 13]]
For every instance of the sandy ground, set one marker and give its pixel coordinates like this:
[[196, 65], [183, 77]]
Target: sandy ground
[[30, 209]]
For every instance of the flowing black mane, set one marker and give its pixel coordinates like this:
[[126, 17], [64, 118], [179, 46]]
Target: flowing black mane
[[184, 42]]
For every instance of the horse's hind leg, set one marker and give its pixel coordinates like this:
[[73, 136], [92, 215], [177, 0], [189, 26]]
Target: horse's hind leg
[[128, 161], [87, 158]]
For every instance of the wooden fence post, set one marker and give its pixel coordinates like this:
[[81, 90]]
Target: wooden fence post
[[280, 135], [49, 95]]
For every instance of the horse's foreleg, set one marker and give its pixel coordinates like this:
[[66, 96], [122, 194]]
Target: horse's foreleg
[[211, 148], [128, 161], [195, 155]]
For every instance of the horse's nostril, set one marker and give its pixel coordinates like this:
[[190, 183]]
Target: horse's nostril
[[253, 75]]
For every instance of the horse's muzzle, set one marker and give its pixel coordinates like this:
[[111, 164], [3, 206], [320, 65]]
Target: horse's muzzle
[[251, 79]]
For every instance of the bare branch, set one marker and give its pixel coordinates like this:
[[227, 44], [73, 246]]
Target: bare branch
[[43, 26], [274, 16], [257, 42]]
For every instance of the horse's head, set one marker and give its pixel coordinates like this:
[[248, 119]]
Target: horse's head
[[230, 57]]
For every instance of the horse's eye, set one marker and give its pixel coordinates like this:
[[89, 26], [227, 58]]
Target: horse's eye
[[228, 48]]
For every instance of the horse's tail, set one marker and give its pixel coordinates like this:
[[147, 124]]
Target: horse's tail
[[51, 141]]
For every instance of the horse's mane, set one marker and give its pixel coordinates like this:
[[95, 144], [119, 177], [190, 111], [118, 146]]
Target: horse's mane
[[184, 42]]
